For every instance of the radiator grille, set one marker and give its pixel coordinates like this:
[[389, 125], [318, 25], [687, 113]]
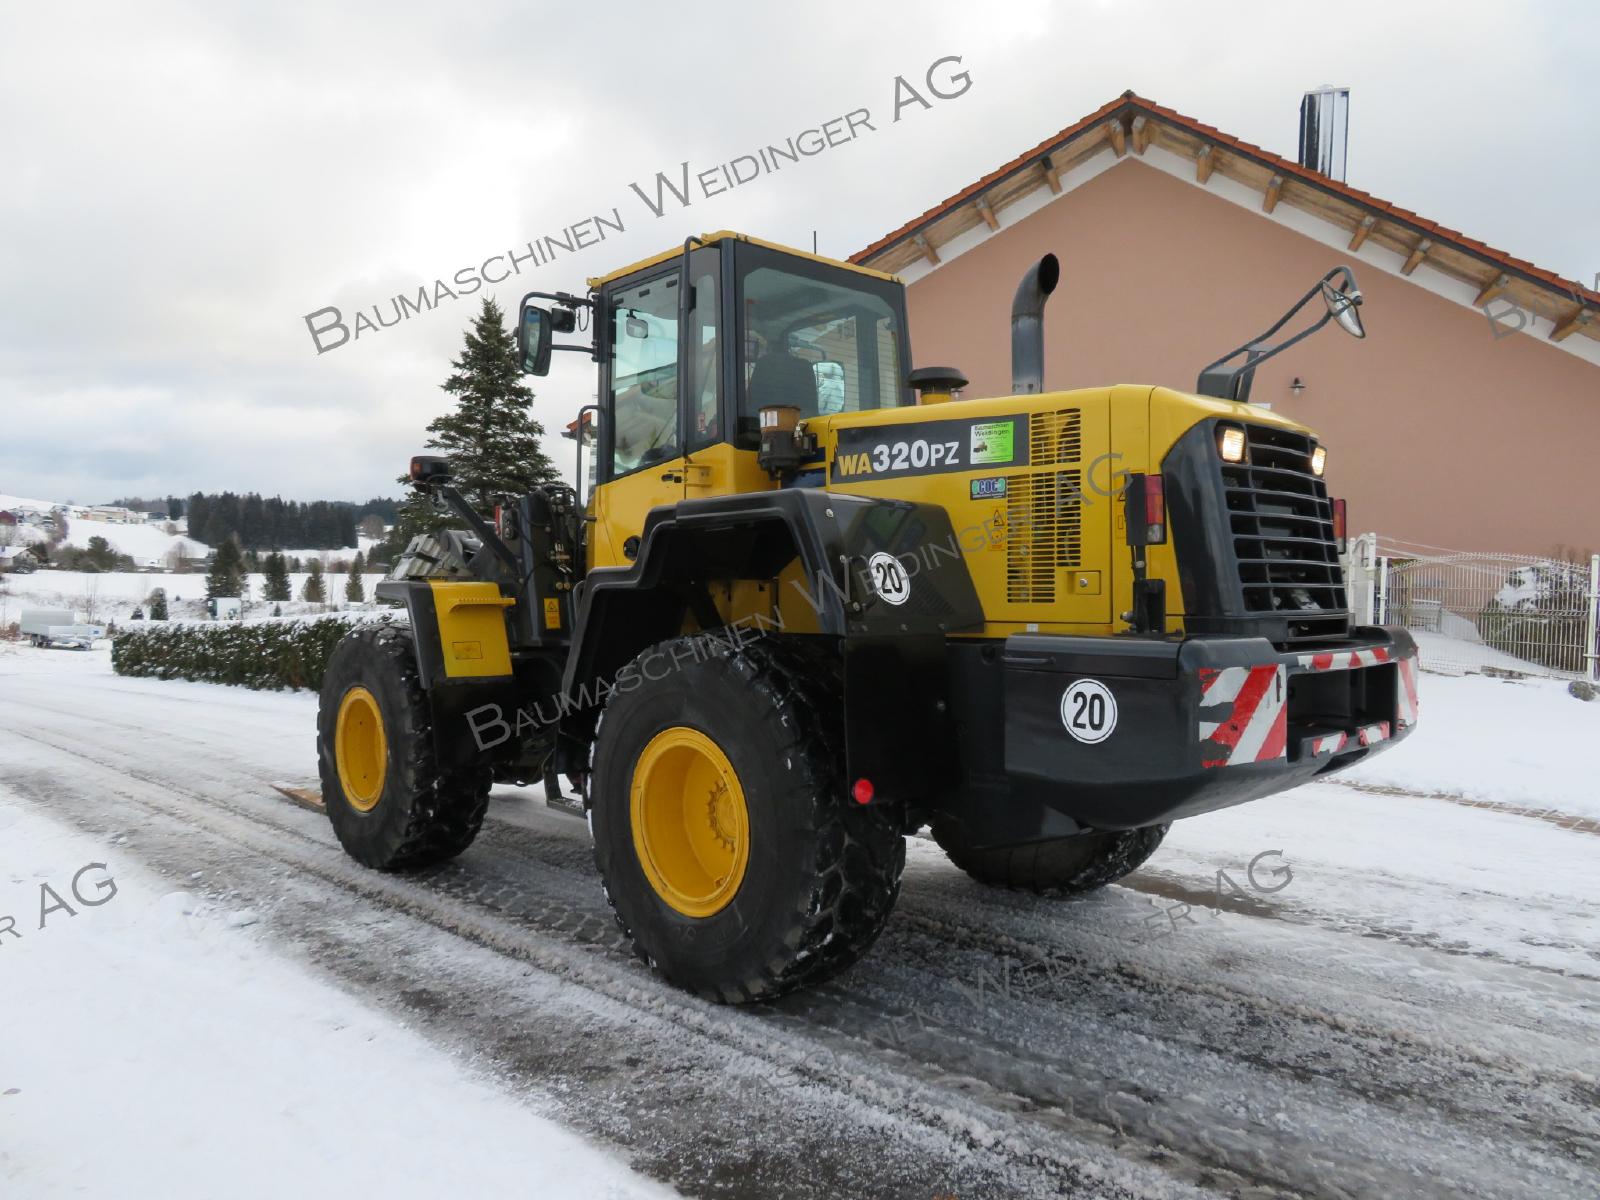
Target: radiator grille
[[1044, 509], [1282, 526]]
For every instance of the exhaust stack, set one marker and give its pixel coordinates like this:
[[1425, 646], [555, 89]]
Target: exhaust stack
[[1027, 325]]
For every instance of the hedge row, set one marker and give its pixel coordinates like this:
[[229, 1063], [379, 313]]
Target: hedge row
[[268, 655]]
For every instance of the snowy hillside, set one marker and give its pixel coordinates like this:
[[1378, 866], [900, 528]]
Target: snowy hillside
[[149, 545]]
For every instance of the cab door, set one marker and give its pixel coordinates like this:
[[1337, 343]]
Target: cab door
[[662, 415], [643, 443]]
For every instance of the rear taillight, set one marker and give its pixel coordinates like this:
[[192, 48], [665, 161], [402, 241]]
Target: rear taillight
[[1341, 526], [499, 527], [1145, 510], [1155, 509]]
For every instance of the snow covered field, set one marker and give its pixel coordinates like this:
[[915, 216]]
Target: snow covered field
[[115, 594], [1387, 985]]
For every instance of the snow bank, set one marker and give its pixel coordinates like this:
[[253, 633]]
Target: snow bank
[[1524, 742], [154, 1048]]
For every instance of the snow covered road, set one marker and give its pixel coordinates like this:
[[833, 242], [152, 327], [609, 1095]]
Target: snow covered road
[[1380, 994]]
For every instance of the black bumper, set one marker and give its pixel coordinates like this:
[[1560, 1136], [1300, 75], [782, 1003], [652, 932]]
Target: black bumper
[[1113, 733]]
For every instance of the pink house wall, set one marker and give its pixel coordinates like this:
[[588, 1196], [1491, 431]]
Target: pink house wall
[[1437, 431]]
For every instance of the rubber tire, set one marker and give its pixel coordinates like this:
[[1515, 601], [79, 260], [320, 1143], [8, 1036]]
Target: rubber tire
[[425, 814], [823, 873], [1063, 867]]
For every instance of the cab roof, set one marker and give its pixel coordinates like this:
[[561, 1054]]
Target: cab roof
[[722, 235]]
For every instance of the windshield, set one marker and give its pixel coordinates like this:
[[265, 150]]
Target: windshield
[[819, 339]]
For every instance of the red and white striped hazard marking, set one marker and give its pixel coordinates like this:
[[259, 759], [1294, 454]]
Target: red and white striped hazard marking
[[1345, 660], [1330, 743], [1367, 735], [1406, 714], [1252, 705]]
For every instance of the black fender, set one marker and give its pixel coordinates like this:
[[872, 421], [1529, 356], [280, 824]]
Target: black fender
[[893, 653]]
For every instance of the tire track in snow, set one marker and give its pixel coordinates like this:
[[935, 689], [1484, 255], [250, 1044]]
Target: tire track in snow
[[947, 924]]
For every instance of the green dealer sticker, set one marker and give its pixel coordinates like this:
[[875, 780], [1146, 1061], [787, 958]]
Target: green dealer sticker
[[992, 442]]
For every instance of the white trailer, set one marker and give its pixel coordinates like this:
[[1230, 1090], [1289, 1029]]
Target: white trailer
[[58, 627]]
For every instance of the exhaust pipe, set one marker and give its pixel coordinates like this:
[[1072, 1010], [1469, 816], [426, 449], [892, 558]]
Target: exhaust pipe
[[1027, 325]]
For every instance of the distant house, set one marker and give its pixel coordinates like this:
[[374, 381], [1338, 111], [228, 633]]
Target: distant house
[[16, 559], [8, 518], [109, 513]]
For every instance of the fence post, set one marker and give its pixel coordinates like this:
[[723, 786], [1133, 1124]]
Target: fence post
[[1369, 582], [1381, 615], [1591, 636]]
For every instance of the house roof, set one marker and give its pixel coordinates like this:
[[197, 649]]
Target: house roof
[[1131, 123]]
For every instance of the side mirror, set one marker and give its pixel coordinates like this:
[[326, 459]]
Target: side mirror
[[535, 330], [1345, 308], [830, 381]]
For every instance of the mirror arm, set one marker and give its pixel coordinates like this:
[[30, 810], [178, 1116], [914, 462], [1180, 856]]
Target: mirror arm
[[566, 299], [1261, 354]]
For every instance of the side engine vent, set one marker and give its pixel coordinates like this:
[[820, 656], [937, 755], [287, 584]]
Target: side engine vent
[[1044, 509], [1055, 437]]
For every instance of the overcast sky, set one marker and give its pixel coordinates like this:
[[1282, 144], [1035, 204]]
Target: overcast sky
[[180, 185]]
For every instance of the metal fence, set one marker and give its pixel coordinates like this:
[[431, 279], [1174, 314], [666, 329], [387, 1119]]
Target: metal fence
[[1479, 611]]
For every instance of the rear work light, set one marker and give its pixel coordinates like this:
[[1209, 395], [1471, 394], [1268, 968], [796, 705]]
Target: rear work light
[[1146, 510], [1341, 526]]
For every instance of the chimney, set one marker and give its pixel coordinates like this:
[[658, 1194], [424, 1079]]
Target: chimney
[[1325, 130]]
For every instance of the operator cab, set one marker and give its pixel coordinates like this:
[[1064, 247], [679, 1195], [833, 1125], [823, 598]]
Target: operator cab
[[692, 345]]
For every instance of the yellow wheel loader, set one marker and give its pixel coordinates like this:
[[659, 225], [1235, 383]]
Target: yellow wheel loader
[[805, 600]]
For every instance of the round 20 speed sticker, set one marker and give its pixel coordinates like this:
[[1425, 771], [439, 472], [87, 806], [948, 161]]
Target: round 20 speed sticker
[[889, 578], [1089, 711]]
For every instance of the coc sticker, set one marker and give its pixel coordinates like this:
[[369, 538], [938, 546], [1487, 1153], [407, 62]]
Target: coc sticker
[[889, 578], [1089, 711]]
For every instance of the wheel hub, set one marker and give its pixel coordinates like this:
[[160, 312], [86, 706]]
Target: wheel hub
[[360, 748], [690, 823]]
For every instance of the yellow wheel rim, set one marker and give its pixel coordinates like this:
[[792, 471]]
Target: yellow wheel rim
[[360, 749], [691, 829]]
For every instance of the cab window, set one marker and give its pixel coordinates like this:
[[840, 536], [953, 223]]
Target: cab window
[[644, 375], [705, 371], [818, 342]]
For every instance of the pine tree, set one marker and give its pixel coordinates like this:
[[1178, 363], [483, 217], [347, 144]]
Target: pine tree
[[226, 576], [354, 587], [491, 439], [158, 604], [277, 582], [314, 592]]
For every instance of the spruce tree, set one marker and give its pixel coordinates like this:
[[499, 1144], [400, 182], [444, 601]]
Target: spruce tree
[[158, 604], [354, 588], [226, 576], [491, 439], [314, 592], [277, 582]]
